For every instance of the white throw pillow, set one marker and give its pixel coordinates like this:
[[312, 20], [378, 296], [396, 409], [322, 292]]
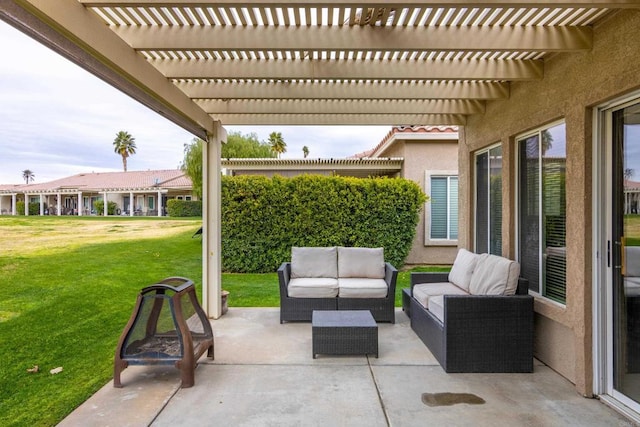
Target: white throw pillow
[[495, 275], [314, 262], [462, 269], [361, 262]]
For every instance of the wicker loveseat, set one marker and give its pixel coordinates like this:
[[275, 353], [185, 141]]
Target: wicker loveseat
[[477, 318], [337, 278]]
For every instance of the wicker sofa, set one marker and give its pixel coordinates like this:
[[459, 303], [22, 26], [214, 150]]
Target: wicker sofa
[[336, 278], [477, 318]]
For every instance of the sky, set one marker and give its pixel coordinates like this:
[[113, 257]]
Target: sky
[[57, 120]]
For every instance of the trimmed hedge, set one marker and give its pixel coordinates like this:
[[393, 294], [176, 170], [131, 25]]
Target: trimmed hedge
[[34, 208], [262, 218], [182, 208]]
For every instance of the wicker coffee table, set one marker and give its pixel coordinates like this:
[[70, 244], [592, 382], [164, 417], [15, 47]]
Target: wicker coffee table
[[344, 332]]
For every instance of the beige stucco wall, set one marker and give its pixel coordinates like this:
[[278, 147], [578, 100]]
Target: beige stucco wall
[[572, 85], [419, 157]]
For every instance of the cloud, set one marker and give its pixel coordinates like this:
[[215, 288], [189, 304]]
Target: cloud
[[58, 120]]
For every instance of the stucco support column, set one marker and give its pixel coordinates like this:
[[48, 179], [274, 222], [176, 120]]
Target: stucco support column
[[41, 200], [131, 203], [104, 204], [14, 200], [58, 204], [159, 203], [80, 206], [211, 215]]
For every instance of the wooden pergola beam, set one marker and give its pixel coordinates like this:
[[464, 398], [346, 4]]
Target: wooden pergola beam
[[460, 69], [344, 90], [361, 38]]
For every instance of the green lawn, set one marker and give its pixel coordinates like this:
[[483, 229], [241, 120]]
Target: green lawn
[[69, 285]]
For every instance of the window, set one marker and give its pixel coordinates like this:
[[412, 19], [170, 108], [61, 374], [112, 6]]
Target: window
[[489, 201], [542, 211], [442, 208], [152, 203]]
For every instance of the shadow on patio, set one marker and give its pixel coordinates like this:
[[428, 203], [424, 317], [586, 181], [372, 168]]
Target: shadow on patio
[[264, 374]]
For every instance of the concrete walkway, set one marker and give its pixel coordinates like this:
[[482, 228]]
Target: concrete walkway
[[264, 375]]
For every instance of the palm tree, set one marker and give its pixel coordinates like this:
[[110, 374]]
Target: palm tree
[[305, 151], [277, 143], [28, 175], [628, 174], [125, 145]]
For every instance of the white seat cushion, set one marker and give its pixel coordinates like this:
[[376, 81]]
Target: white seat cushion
[[462, 269], [365, 263], [495, 275], [314, 262], [317, 287], [423, 292], [632, 261], [362, 288], [632, 286], [436, 307]]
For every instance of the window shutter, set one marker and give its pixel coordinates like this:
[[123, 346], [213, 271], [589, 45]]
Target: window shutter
[[438, 207], [453, 208]]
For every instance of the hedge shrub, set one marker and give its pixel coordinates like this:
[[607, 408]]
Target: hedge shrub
[[98, 205], [34, 208], [182, 208], [262, 218]]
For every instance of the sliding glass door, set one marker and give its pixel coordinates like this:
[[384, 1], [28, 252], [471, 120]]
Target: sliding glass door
[[623, 253]]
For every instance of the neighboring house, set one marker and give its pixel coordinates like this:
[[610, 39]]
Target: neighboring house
[[430, 156], [427, 155], [631, 197], [8, 198], [134, 192]]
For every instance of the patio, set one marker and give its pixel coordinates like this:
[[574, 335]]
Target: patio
[[263, 374]]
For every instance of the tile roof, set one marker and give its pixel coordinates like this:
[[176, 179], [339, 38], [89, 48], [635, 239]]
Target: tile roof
[[109, 181], [10, 187], [397, 132]]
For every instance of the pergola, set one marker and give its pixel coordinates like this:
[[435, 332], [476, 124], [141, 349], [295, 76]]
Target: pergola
[[205, 64]]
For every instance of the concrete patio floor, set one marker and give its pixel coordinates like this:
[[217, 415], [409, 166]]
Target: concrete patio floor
[[264, 375]]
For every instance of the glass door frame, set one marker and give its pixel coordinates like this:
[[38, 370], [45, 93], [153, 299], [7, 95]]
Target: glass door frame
[[602, 235]]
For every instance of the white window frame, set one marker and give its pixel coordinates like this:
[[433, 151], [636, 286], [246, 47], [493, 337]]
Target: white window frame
[[428, 241], [517, 140], [475, 192]]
